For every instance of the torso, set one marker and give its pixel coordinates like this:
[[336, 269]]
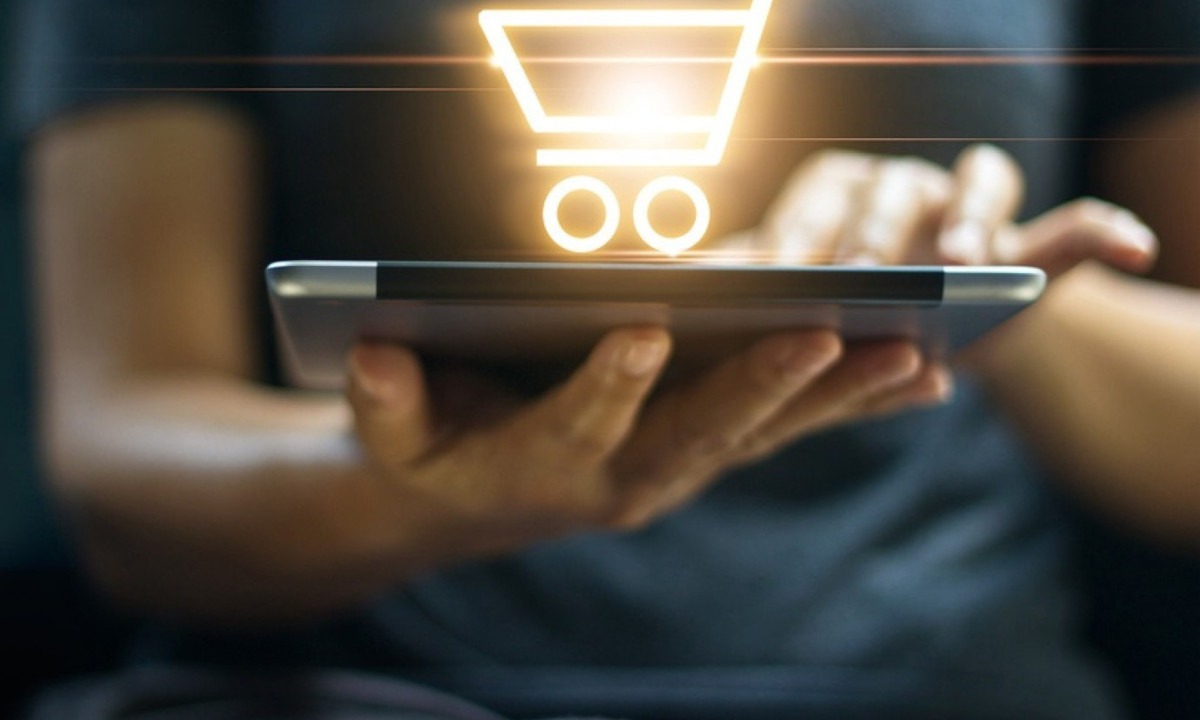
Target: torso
[[915, 556]]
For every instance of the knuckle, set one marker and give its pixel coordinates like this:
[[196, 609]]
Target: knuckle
[[702, 443], [768, 381], [583, 444], [1077, 245], [765, 374], [1090, 210], [574, 434], [777, 368]]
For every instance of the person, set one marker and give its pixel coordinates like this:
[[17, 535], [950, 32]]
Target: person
[[808, 529]]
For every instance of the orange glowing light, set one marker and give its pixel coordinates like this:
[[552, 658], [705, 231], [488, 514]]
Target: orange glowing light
[[564, 239], [639, 115], [671, 245]]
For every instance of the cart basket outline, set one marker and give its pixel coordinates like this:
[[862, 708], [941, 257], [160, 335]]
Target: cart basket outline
[[717, 128]]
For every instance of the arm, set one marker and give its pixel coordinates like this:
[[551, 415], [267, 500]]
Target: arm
[[198, 493], [1104, 376], [194, 490]]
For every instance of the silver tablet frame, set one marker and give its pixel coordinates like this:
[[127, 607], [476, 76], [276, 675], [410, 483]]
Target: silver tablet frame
[[322, 308]]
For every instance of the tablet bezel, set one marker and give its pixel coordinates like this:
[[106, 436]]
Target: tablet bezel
[[547, 310]]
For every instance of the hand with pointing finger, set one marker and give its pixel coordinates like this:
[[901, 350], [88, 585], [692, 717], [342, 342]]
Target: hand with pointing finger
[[848, 208]]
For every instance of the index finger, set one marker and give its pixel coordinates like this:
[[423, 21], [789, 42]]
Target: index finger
[[989, 191]]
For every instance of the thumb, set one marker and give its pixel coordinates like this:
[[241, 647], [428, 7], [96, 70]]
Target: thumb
[[391, 405]]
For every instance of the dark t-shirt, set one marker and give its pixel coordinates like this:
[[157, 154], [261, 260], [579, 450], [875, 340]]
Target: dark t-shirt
[[914, 565]]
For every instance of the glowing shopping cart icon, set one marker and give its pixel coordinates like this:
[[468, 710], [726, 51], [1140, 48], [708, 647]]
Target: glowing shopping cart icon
[[619, 138]]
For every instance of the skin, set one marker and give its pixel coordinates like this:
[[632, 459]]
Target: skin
[[1101, 375], [199, 493], [1124, 351]]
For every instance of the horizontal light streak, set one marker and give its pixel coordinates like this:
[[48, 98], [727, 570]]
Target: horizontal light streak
[[804, 57], [277, 89], [874, 59], [960, 139]]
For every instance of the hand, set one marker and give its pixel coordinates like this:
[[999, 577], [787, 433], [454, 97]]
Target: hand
[[600, 451], [849, 208]]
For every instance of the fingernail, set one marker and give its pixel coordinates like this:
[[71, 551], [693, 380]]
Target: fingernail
[[966, 242], [643, 358], [945, 387], [367, 365], [1136, 231]]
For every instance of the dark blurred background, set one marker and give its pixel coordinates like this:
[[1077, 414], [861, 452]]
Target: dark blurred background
[[1144, 602], [51, 625]]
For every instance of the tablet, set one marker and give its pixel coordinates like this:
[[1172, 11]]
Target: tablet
[[503, 312]]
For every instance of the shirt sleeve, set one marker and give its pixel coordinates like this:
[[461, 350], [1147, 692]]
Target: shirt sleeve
[[75, 53], [1155, 46]]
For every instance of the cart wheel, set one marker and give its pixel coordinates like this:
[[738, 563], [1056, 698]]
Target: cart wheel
[[559, 234], [641, 215]]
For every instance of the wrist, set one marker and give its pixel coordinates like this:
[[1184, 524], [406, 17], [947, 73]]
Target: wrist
[[1017, 349]]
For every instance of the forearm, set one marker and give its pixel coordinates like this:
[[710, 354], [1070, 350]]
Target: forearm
[[195, 491], [210, 498], [1104, 378]]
